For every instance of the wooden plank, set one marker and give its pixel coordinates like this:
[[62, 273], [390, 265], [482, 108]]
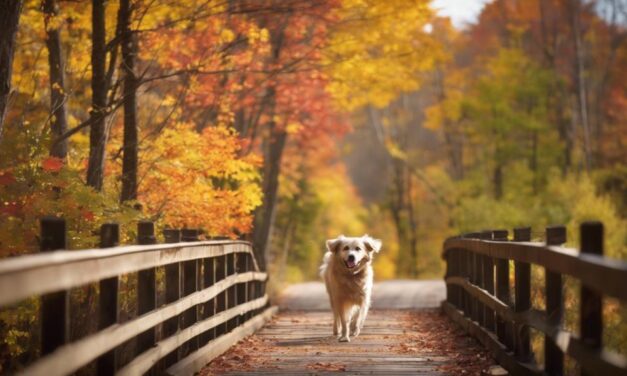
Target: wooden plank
[[591, 302], [599, 273], [108, 299], [553, 356], [172, 293], [146, 286], [55, 306], [589, 358], [215, 348], [60, 270], [72, 356], [145, 361], [491, 342], [522, 297]]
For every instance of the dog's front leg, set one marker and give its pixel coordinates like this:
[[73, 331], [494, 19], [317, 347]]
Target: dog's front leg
[[361, 317], [344, 317]]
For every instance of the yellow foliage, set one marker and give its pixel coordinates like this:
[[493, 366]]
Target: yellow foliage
[[199, 181], [378, 51]]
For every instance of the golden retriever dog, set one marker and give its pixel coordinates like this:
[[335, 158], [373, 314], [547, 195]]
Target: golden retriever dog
[[348, 276]]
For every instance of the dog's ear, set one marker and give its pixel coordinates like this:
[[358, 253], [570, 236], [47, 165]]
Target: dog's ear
[[371, 244], [334, 244]]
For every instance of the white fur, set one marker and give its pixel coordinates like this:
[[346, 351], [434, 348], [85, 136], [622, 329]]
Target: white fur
[[349, 287]]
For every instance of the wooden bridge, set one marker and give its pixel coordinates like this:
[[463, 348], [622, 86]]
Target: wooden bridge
[[211, 295]]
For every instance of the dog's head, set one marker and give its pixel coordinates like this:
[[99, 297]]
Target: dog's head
[[354, 251]]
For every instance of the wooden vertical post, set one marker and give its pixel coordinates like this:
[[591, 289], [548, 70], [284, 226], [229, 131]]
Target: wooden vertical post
[[241, 287], [146, 286], [522, 297], [209, 307], [221, 302], [591, 305], [503, 330], [172, 294], [473, 276], [190, 286], [477, 279], [465, 265], [108, 298], [248, 268], [231, 291], [54, 310], [553, 356], [488, 284]]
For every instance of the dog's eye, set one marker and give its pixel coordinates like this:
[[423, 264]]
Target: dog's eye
[[346, 248], [358, 249]]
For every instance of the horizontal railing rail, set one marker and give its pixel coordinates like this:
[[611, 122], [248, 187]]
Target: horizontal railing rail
[[210, 288], [480, 297]]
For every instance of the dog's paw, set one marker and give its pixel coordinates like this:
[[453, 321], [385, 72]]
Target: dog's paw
[[355, 332], [344, 339]]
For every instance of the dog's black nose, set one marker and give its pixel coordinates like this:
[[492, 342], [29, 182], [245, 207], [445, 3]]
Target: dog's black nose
[[351, 258]]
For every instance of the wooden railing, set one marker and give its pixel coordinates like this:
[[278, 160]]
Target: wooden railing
[[214, 296], [479, 297]]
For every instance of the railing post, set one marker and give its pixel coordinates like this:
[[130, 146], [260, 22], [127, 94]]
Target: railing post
[[488, 284], [249, 268], [54, 306], [522, 296], [221, 298], [190, 286], [591, 305], [108, 298], [172, 294], [465, 259], [232, 291], [209, 308], [146, 286], [553, 356], [241, 287], [477, 260], [504, 331], [474, 273]]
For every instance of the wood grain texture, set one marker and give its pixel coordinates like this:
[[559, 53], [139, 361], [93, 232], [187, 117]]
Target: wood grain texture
[[393, 342], [195, 361], [411, 340], [145, 361], [601, 274], [60, 270], [76, 354]]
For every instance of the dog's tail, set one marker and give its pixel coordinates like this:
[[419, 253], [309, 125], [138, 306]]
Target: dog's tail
[[325, 263]]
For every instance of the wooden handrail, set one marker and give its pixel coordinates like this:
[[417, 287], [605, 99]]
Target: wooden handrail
[[71, 357], [601, 273], [209, 285], [473, 303], [142, 363], [60, 270]]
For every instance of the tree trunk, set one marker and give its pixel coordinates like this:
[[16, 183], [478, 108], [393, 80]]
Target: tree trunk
[[412, 240], [580, 80], [264, 215], [130, 143], [9, 19], [98, 131], [58, 97], [497, 180], [275, 143]]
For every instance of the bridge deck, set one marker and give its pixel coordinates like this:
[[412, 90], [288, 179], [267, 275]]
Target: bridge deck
[[403, 335]]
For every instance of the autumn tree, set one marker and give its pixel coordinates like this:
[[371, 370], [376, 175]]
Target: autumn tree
[[9, 19]]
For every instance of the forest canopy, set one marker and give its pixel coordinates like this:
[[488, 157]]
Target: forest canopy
[[289, 122]]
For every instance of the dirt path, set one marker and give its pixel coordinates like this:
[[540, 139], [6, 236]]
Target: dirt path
[[393, 341]]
